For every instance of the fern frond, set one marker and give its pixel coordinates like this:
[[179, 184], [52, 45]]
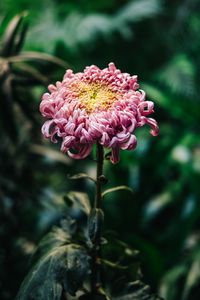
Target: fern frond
[[178, 75]]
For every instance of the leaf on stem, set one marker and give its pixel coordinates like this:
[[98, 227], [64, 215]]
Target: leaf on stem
[[66, 265], [113, 265], [78, 203], [77, 267], [95, 224], [56, 238], [81, 176], [117, 188]]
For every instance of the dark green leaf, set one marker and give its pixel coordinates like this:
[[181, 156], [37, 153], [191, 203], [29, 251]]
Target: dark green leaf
[[7, 109], [78, 202], [171, 280], [11, 33], [113, 265], [117, 188], [56, 238], [51, 154], [20, 38], [137, 291], [65, 265], [38, 57], [81, 176], [95, 224], [26, 71], [77, 267], [192, 278]]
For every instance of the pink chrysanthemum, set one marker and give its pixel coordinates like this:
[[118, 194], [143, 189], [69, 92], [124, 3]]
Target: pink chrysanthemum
[[103, 106]]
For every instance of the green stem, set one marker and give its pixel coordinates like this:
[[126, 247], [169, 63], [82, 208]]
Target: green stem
[[96, 276], [100, 157]]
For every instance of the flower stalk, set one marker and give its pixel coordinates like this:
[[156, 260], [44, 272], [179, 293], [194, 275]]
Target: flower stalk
[[99, 174], [96, 274]]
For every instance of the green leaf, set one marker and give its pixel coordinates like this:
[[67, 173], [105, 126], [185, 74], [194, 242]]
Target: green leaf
[[65, 265], [171, 280], [95, 224], [56, 238], [182, 108], [178, 70], [11, 34], [117, 188], [27, 71], [137, 291], [7, 109], [38, 57], [81, 176], [78, 202], [20, 38], [138, 10], [77, 267], [50, 154], [113, 265], [155, 205], [192, 279]]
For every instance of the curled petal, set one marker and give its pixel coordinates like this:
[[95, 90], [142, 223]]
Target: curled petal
[[78, 130], [142, 95], [114, 142], [68, 74], [105, 139], [52, 88], [112, 67], [47, 110], [154, 125], [86, 137], [115, 155], [80, 152], [122, 137], [130, 144], [132, 125], [96, 129], [146, 107], [69, 128], [49, 130], [46, 128], [68, 142]]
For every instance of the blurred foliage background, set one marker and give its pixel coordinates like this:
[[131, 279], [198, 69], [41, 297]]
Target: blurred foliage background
[[156, 39]]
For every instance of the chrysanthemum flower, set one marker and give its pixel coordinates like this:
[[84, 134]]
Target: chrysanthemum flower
[[103, 106]]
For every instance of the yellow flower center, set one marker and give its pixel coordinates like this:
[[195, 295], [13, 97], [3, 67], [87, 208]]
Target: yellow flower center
[[94, 96]]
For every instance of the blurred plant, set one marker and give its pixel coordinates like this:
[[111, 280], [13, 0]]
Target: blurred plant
[[82, 29], [20, 72], [185, 274]]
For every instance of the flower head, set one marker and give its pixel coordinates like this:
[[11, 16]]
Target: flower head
[[103, 106]]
